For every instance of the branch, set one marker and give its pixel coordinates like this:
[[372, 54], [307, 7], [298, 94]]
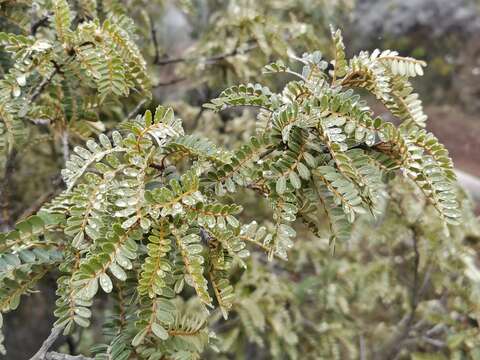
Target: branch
[[36, 93], [40, 122], [153, 31], [137, 108], [199, 115], [266, 153], [209, 60], [44, 354], [169, 82], [38, 24], [58, 356]]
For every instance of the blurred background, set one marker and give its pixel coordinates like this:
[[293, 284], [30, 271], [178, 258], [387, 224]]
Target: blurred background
[[445, 34]]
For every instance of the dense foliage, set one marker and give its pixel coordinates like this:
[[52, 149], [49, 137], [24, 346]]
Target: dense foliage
[[166, 221]]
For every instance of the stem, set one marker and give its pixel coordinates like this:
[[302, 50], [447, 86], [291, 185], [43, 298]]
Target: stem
[[38, 24], [36, 93], [44, 354], [137, 108], [169, 82], [53, 355], [209, 60], [153, 31]]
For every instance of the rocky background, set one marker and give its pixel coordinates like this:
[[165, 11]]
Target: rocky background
[[445, 33]]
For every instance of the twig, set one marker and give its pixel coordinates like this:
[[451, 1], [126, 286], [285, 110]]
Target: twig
[[43, 85], [247, 106], [40, 122], [169, 82], [266, 153], [153, 31], [199, 115], [37, 204], [58, 356], [100, 11], [163, 62], [38, 24], [209, 60], [44, 354], [236, 51], [434, 342], [415, 289], [425, 282], [137, 108], [436, 330]]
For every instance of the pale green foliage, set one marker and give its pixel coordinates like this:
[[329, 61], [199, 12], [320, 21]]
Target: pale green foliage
[[128, 213], [161, 220]]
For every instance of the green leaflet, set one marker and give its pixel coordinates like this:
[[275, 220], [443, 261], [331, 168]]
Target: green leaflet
[[245, 95], [339, 63], [62, 20], [129, 52], [240, 166], [196, 147], [178, 197], [115, 247], [188, 245], [83, 158], [155, 269], [219, 272], [343, 190]]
